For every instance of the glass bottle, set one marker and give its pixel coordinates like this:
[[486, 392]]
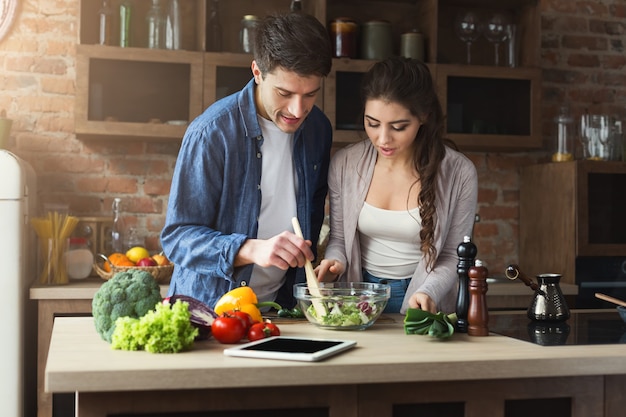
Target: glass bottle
[[156, 26], [214, 29], [246, 35], [125, 15], [173, 26], [563, 136], [117, 229], [105, 15], [296, 6]]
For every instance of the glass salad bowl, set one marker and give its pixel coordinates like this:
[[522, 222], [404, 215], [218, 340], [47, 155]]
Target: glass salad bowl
[[342, 305]]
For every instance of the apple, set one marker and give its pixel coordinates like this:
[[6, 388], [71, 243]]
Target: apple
[[161, 260], [146, 262]]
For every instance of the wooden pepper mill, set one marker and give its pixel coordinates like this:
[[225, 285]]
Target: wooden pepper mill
[[478, 314], [467, 253]]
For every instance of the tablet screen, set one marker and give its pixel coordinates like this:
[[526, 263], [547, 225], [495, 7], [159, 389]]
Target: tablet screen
[[290, 348]]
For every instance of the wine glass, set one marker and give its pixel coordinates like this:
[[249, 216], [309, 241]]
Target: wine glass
[[496, 32], [468, 28]]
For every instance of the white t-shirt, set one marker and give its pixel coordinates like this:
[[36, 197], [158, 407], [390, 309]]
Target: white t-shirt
[[390, 243], [278, 202]]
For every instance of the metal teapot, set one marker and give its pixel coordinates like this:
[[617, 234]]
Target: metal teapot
[[549, 303]]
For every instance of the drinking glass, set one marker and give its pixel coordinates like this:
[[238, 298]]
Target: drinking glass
[[496, 32], [595, 135], [468, 28]]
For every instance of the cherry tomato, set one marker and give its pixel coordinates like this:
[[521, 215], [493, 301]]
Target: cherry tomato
[[262, 330], [247, 318], [228, 328]]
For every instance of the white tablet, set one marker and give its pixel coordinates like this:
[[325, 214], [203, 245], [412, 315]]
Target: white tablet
[[291, 348]]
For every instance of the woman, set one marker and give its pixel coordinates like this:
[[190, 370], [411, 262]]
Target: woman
[[401, 201]]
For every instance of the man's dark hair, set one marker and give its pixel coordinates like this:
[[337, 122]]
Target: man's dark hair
[[296, 42]]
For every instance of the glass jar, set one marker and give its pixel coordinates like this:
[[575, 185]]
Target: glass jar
[[563, 150], [246, 35], [343, 35], [78, 258]]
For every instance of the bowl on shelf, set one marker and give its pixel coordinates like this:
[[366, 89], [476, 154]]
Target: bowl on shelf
[[342, 305], [622, 312]]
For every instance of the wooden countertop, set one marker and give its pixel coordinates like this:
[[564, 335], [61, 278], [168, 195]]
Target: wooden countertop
[[78, 360], [76, 290]]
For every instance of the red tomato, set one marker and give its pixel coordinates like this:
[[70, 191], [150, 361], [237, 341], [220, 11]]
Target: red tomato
[[262, 330], [247, 318], [228, 328]]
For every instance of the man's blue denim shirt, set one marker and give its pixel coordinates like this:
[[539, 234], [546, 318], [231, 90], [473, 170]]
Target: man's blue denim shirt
[[215, 197]]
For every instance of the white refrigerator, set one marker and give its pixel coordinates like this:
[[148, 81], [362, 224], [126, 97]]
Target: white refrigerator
[[18, 314]]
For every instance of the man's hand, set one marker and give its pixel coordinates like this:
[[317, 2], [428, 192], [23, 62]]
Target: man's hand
[[282, 251]]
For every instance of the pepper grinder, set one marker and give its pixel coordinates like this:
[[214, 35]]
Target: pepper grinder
[[467, 253], [478, 314]]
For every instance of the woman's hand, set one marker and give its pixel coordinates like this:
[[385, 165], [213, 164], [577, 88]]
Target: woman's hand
[[423, 301], [328, 270]]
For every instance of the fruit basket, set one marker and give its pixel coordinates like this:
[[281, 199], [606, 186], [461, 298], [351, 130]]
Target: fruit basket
[[162, 274]]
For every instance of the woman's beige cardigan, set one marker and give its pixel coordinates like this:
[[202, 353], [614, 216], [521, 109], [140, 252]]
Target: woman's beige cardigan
[[350, 174]]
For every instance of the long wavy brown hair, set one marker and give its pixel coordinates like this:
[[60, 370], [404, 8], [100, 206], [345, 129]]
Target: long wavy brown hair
[[408, 82]]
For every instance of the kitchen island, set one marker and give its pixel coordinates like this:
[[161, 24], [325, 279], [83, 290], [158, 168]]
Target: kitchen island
[[75, 298], [387, 374]]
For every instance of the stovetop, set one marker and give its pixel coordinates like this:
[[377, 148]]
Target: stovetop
[[591, 327]]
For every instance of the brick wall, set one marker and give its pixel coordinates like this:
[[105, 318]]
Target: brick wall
[[583, 65]]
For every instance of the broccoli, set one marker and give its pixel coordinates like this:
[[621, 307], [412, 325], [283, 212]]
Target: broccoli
[[130, 293]]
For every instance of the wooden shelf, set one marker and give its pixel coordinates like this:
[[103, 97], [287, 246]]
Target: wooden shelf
[[144, 84]]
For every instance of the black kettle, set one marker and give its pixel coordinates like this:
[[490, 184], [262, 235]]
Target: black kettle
[[548, 304]]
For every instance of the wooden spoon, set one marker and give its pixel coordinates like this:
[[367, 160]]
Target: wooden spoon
[[311, 279], [611, 299]]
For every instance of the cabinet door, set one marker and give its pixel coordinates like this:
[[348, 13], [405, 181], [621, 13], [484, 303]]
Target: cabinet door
[[342, 101], [491, 109], [122, 92]]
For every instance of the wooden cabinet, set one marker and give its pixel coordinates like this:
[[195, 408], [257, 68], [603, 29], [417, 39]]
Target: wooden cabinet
[[135, 91], [571, 213]]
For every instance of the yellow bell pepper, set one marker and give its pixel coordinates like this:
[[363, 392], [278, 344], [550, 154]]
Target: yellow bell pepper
[[243, 299]]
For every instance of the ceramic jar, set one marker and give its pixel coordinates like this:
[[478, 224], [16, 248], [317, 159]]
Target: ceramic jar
[[376, 40]]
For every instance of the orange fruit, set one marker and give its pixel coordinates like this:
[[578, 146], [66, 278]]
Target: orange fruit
[[117, 259]]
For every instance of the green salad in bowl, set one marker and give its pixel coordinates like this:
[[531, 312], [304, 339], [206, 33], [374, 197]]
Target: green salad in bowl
[[342, 305]]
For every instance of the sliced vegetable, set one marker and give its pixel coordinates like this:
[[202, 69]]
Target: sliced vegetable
[[243, 299], [201, 315], [346, 311]]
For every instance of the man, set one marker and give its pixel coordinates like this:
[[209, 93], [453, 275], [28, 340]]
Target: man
[[249, 164]]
